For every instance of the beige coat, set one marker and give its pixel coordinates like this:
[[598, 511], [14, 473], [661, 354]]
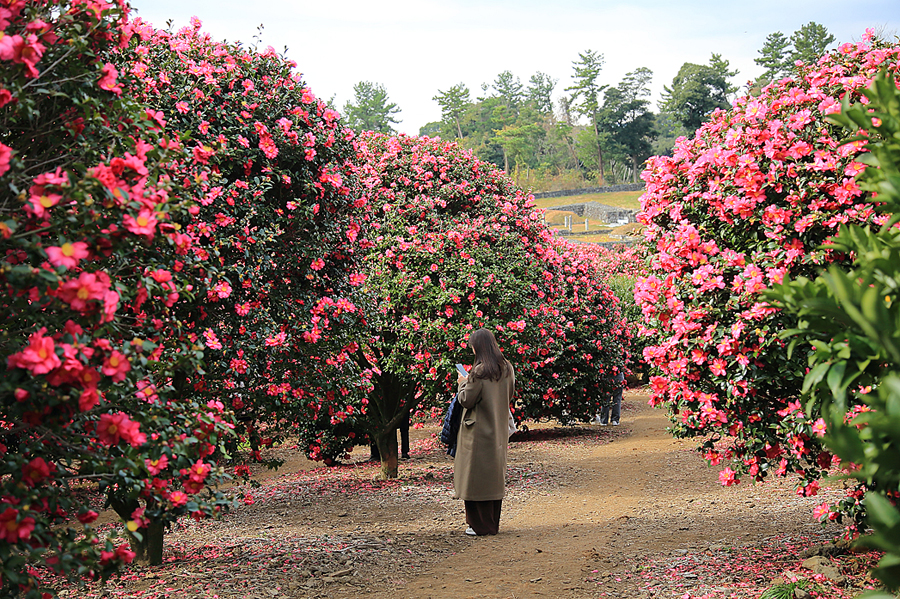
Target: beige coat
[[479, 469]]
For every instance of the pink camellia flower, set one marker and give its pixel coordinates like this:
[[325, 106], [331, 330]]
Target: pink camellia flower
[[277, 340], [39, 203], [5, 157], [39, 357], [156, 466], [727, 477], [819, 428], [144, 224], [13, 531], [116, 366], [108, 79], [212, 341], [5, 97], [27, 51], [68, 254], [178, 498], [88, 286]]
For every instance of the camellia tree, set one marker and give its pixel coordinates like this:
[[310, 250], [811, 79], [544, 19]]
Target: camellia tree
[[93, 204], [274, 223], [850, 318], [620, 267], [749, 200], [457, 247]]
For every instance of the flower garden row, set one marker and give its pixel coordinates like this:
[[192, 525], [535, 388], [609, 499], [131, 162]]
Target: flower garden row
[[199, 259]]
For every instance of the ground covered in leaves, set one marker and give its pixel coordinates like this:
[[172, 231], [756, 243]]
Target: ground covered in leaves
[[590, 512]]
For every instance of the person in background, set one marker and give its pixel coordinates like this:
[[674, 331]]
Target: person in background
[[611, 410], [375, 455], [479, 468]]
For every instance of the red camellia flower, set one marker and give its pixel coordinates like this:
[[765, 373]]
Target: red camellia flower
[[13, 530], [115, 427], [36, 471]]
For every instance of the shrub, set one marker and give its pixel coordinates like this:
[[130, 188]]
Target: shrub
[[93, 192], [458, 247], [851, 321], [746, 202], [273, 221]]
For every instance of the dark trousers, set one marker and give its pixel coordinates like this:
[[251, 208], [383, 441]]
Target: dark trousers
[[484, 516]]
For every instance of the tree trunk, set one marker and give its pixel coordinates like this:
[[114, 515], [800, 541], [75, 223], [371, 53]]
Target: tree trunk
[[149, 548], [599, 153], [458, 128], [387, 447]]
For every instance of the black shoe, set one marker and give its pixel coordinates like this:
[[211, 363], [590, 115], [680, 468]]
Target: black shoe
[[405, 456]]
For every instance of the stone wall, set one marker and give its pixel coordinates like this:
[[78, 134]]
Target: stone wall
[[597, 211], [577, 192]]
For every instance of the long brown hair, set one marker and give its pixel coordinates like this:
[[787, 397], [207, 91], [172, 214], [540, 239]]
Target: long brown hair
[[489, 360]]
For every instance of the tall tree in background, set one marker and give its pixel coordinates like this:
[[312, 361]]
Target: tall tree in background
[[775, 56], [697, 90], [586, 99], [453, 103], [627, 118], [370, 109], [810, 42], [539, 92], [509, 89]]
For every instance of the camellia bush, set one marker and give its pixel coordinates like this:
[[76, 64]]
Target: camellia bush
[[620, 267], [851, 320], [749, 200], [274, 223], [456, 246], [94, 201]]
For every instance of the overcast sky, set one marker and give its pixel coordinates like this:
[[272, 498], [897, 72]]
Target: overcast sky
[[416, 47]]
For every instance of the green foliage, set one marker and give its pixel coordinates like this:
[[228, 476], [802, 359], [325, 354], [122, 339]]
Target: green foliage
[[810, 42], [585, 101], [697, 90], [852, 321], [784, 590], [453, 103], [627, 118], [370, 109], [774, 57]]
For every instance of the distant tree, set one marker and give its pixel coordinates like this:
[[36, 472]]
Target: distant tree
[[453, 103], [432, 129], [628, 120], [667, 130], [539, 91], [370, 109], [775, 56], [697, 90], [586, 100], [810, 42], [509, 89]]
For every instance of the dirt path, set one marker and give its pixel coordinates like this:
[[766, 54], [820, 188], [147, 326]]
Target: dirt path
[[591, 512]]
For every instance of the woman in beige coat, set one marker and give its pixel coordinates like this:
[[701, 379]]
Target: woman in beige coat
[[479, 469]]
